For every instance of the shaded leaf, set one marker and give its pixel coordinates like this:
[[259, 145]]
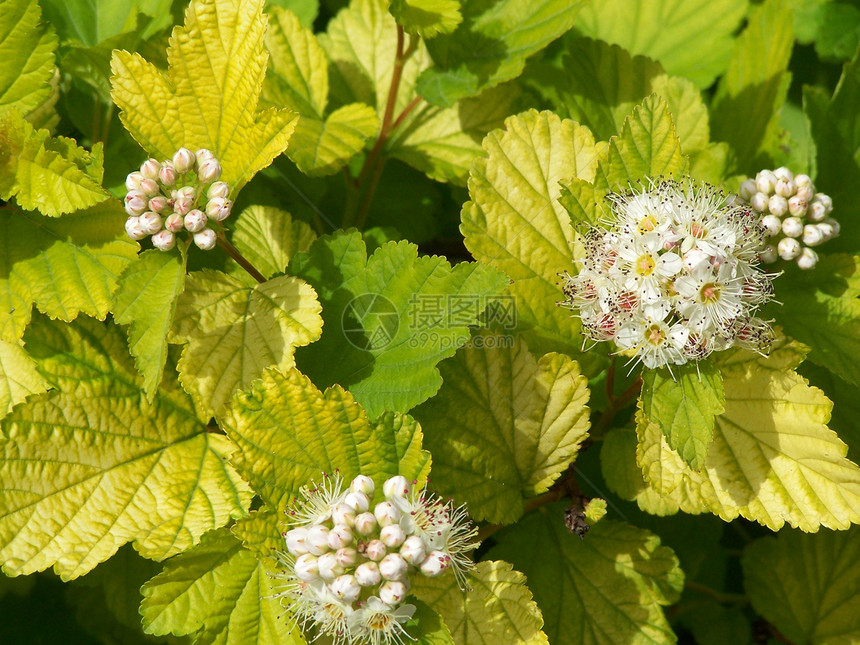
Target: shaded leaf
[[427, 18]]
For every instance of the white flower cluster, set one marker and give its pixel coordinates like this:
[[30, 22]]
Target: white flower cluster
[[348, 566], [165, 198], [673, 276], [794, 216]]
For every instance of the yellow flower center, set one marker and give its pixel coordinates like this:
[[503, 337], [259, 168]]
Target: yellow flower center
[[379, 621], [647, 223], [710, 293], [698, 231], [655, 335], [645, 265]]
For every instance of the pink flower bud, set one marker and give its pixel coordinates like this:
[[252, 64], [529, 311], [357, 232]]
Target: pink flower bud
[[132, 182], [164, 240], [150, 169], [788, 248], [174, 223], [134, 229], [805, 193], [151, 222], [328, 566], [167, 174], [747, 189], [203, 155], [759, 202], [784, 174], [830, 227], [392, 536], [434, 564], [396, 487], [297, 541], [792, 227], [345, 588], [195, 221], [803, 181], [158, 203], [343, 515], [136, 203], [205, 239], [785, 187], [306, 568], [365, 523], [765, 181], [777, 205], [825, 201], [812, 235], [317, 539], [347, 557], [797, 206], [772, 224], [393, 567], [184, 161], [222, 190], [387, 513], [393, 592], [218, 208], [208, 171], [375, 550], [149, 187], [182, 205], [413, 550], [768, 255], [339, 536], [367, 574], [362, 484], [357, 501], [807, 259]]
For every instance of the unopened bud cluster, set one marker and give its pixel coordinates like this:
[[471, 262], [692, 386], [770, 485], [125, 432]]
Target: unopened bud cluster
[[794, 216], [349, 564], [672, 276], [182, 194]]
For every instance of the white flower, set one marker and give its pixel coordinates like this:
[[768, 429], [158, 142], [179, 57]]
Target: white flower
[[645, 267], [709, 300], [655, 343], [377, 623], [317, 502]]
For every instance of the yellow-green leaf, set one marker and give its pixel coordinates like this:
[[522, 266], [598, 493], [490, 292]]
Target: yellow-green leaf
[[427, 18], [27, 51], [772, 460], [91, 465], [218, 593], [18, 377], [504, 425], [208, 96], [289, 433], [65, 266], [234, 331], [323, 146], [684, 403], [268, 237], [498, 609], [50, 174], [605, 589], [807, 585], [145, 300], [515, 223]]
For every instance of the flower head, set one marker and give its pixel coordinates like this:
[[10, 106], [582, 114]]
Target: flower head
[[348, 575], [671, 274]]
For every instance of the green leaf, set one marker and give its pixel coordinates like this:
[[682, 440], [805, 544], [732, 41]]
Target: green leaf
[[298, 79], [268, 237], [27, 48], [427, 18], [426, 626], [504, 425], [49, 174], [91, 465], [684, 404], [233, 331], [834, 27], [498, 609], [691, 38], [772, 459], [441, 142], [821, 309], [145, 300], [208, 96], [64, 266], [18, 377], [835, 128], [91, 21], [491, 45], [289, 433], [806, 585], [606, 588], [647, 147], [306, 10], [745, 111], [515, 223], [389, 318], [219, 593]]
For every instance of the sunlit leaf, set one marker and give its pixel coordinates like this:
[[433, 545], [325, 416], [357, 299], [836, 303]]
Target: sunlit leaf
[[427, 18], [18, 376], [268, 237]]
